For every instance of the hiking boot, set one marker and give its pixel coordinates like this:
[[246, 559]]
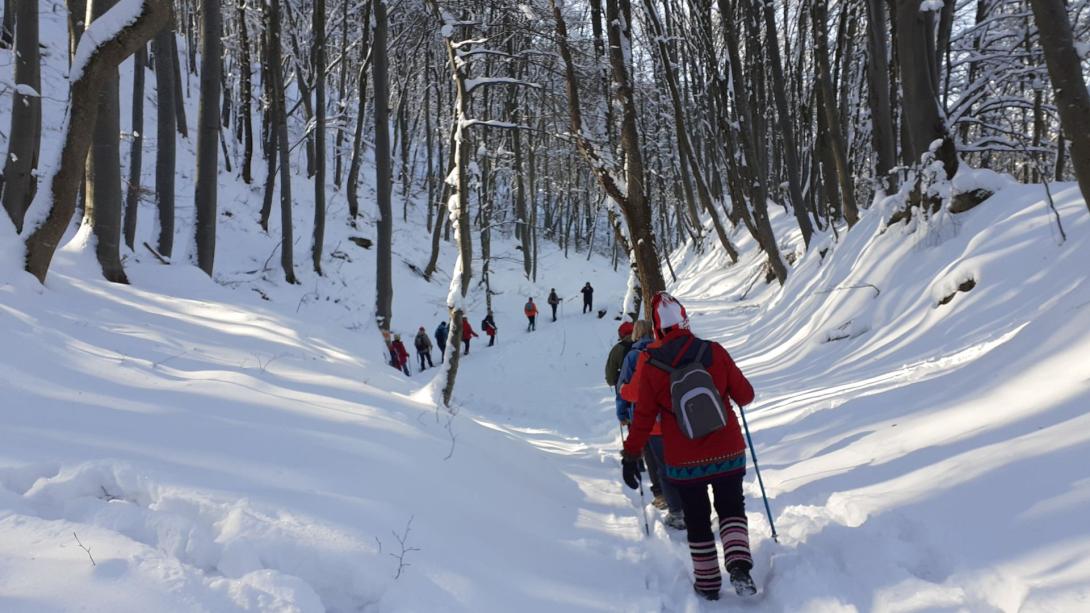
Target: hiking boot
[[706, 594], [675, 520], [659, 502], [741, 581]]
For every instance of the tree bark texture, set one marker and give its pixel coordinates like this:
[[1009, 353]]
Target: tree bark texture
[[1068, 83], [136, 149], [166, 139], [18, 182], [384, 290], [59, 201], [208, 130]]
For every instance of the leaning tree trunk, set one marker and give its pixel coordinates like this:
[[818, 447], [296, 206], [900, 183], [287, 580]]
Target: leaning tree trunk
[[208, 130], [136, 151], [166, 140], [18, 182], [1068, 84], [636, 209], [103, 208], [384, 290], [52, 209], [318, 50]]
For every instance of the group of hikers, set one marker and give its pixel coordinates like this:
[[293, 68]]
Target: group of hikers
[[399, 355], [673, 394]]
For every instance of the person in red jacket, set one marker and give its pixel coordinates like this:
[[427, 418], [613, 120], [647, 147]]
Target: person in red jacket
[[717, 459], [467, 333], [397, 348]]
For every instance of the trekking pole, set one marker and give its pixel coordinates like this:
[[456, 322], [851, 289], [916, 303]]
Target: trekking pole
[[643, 501], [753, 452]]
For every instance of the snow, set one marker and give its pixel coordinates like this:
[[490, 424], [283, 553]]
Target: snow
[[219, 451], [105, 28]]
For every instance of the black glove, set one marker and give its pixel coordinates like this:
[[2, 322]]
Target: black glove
[[630, 470]]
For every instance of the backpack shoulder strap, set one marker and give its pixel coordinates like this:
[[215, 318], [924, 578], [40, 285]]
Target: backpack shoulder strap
[[661, 365]]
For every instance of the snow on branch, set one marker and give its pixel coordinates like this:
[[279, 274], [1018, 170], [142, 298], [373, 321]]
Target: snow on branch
[[472, 84]]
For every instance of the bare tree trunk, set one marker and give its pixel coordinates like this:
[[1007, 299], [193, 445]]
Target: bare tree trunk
[[59, 202], [179, 91], [384, 291], [280, 134], [1068, 84], [318, 50], [245, 114], [77, 13], [878, 80], [920, 98], [208, 129], [357, 138], [166, 138], [787, 129], [103, 208], [18, 182], [832, 116], [136, 151]]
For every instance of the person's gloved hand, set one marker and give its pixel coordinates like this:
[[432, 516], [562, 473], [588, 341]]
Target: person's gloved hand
[[630, 471]]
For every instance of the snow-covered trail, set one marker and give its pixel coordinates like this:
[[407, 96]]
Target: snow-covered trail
[[547, 388]]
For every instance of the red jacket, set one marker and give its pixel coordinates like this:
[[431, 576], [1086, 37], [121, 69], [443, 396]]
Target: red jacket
[[467, 330], [402, 353], [721, 452]]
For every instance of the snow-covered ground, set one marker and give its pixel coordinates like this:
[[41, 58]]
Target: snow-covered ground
[[241, 445]]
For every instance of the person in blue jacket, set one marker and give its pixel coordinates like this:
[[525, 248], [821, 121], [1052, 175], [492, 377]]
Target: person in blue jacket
[[441, 333], [666, 495]]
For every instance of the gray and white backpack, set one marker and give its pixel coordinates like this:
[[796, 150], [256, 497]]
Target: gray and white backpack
[[696, 402]]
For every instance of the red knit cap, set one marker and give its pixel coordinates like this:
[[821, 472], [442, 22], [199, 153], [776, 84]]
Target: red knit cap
[[624, 330], [667, 312]]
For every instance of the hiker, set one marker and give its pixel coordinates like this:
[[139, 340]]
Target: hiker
[[554, 301], [617, 354], [588, 297], [531, 315], [467, 333], [666, 496], [423, 347], [717, 458], [489, 326], [442, 332], [400, 355]]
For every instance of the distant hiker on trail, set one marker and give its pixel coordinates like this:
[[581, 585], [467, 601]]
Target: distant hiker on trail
[[423, 347], [531, 315], [442, 331], [709, 451], [588, 297], [554, 301], [467, 333], [616, 357], [666, 495], [489, 326], [399, 355]]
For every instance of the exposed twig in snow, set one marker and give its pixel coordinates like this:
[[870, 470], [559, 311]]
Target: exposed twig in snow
[[87, 549], [402, 540]]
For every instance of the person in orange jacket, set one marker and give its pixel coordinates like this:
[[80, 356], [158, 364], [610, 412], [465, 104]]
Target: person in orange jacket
[[467, 333], [717, 459], [531, 314]]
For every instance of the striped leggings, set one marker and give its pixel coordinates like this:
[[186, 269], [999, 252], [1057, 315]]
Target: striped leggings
[[730, 506]]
